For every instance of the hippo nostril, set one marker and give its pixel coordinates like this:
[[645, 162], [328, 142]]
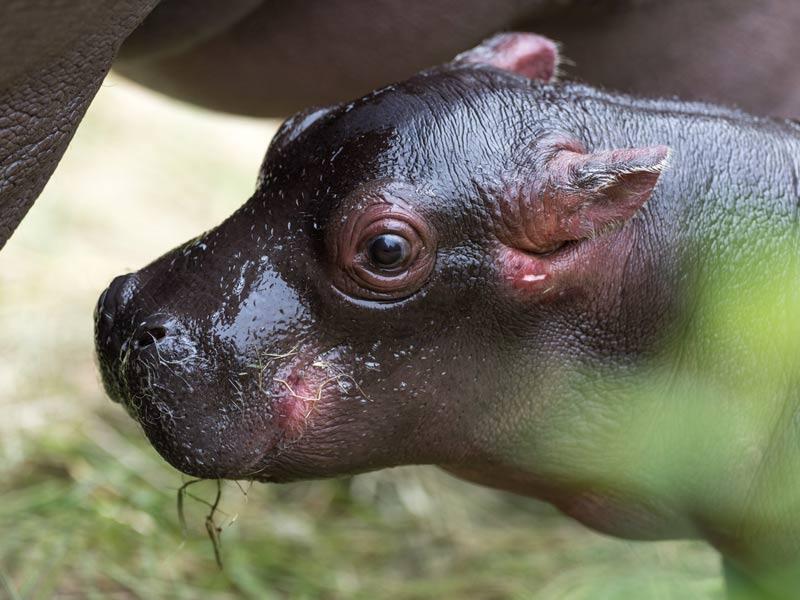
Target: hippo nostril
[[150, 336]]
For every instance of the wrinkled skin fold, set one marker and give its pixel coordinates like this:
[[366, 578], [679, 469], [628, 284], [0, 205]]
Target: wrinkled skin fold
[[545, 288]]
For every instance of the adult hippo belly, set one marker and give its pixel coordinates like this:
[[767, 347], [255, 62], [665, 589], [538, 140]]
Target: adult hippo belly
[[272, 58], [279, 57]]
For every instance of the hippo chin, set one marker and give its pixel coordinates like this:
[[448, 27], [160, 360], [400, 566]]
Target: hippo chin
[[471, 269]]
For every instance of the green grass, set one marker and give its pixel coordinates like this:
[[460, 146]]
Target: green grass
[[87, 508]]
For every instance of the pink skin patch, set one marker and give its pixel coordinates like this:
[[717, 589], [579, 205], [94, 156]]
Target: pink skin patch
[[584, 267], [295, 404], [298, 396], [523, 271]]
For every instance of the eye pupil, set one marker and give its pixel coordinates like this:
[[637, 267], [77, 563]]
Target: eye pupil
[[388, 250]]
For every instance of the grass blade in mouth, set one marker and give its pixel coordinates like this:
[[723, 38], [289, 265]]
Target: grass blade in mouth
[[212, 528]]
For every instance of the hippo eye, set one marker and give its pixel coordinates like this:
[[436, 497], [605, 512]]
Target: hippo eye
[[383, 249], [388, 251]]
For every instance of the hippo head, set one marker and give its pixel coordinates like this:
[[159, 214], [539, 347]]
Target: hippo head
[[410, 266]]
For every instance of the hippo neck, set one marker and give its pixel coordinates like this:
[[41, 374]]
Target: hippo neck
[[694, 421]]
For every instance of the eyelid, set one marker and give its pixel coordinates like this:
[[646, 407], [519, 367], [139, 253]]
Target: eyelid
[[352, 270]]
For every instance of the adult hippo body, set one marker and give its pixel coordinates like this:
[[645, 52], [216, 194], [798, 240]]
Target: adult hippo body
[[538, 287], [272, 58]]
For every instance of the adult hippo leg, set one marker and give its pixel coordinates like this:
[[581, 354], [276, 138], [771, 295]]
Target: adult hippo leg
[[53, 58]]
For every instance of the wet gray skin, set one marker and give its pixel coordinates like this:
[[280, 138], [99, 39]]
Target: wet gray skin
[[465, 269]]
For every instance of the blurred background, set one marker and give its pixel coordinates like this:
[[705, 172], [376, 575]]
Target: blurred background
[[88, 509]]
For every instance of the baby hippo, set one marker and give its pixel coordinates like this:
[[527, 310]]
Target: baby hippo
[[537, 286]]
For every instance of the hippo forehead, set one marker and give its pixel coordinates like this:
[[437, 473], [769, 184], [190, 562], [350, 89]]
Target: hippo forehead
[[441, 128]]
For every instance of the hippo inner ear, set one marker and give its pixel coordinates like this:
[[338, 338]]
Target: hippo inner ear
[[586, 195], [526, 54]]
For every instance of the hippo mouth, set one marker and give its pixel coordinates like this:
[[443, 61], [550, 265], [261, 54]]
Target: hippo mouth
[[221, 416], [259, 421]]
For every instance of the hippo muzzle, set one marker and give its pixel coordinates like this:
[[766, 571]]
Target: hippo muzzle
[[195, 362]]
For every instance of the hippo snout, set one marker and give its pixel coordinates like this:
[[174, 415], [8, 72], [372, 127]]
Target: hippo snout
[[214, 369], [124, 333], [112, 309]]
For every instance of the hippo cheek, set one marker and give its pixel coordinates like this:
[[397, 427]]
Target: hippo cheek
[[210, 419], [194, 358]]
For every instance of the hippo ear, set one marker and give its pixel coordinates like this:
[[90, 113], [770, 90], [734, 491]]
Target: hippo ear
[[526, 54], [586, 195]]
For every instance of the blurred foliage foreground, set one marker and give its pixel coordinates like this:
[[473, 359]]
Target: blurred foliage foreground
[[88, 510]]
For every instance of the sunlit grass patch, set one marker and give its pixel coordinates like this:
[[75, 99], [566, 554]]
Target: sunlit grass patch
[[96, 515]]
